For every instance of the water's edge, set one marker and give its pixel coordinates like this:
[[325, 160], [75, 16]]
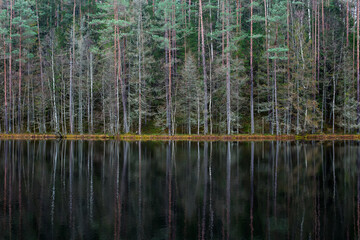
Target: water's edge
[[133, 137]]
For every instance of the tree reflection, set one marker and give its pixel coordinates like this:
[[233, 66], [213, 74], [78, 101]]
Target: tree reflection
[[179, 190]]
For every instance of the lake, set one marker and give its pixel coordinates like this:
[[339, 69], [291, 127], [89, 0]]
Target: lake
[[179, 190]]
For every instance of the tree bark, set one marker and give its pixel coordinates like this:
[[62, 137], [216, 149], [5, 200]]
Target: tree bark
[[53, 88], [5, 88], [228, 90], [251, 71], [170, 83], [275, 87], [123, 88], [357, 62], [347, 22], [20, 79], [10, 70], [139, 67], [42, 127], [267, 64], [91, 94], [204, 69], [72, 60], [71, 95]]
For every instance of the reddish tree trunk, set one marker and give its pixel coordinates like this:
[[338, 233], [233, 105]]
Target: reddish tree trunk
[[5, 87], [10, 70], [19, 96]]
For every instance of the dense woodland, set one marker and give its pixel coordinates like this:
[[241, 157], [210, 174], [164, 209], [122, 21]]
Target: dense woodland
[[179, 66]]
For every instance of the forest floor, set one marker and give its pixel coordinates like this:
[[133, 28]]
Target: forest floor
[[133, 137]]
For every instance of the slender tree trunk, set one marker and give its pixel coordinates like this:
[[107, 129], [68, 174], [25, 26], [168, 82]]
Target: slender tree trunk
[[53, 88], [117, 65], [188, 96], [20, 79], [28, 115], [103, 101], [267, 65], [64, 126], [198, 115], [72, 61], [228, 90], [10, 70], [334, 95], [168, 118], [139, 67], [315, 59], [71, 115], [199, 41], [123, 89], [91, 94], [204, 69], [324, 64], [288, 64], [42, 127], [5, 88], [88, 92], [357, 62], [80, 86], [275, 86], [347, 21], [223, 32], [210, 70], [170, 84], [251, 71]]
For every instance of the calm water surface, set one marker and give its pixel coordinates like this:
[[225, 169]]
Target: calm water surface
[[179, 190]]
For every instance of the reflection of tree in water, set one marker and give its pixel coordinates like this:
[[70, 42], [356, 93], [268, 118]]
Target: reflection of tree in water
[[183, 190]]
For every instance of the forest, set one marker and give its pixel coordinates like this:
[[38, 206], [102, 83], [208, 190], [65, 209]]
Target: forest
[[179, 66]]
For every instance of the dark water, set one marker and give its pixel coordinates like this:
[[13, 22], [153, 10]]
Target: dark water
[[179, 190]]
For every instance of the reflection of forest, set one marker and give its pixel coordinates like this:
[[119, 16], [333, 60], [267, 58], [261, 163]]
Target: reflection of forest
[[179, 190]]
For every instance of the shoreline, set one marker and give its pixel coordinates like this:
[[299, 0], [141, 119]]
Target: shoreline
[[133, 137]]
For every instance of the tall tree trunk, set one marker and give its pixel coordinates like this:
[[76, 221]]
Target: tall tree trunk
[[357, 62], [80, 83], [5, 88], [20, 79], [10, 70], [204, 69], [288, 127], [168, 118], [334, 94], [117, 65], [324, 64], [251, 71], [315, 59], [71, 115], [275, 86], [267, 65], [228, 90], [139, 63], [72, 61], [223, 32], [347, 21], [42, 127], [123, 88], [91, 94], [53, 87], [170, 83], [210, 70]]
